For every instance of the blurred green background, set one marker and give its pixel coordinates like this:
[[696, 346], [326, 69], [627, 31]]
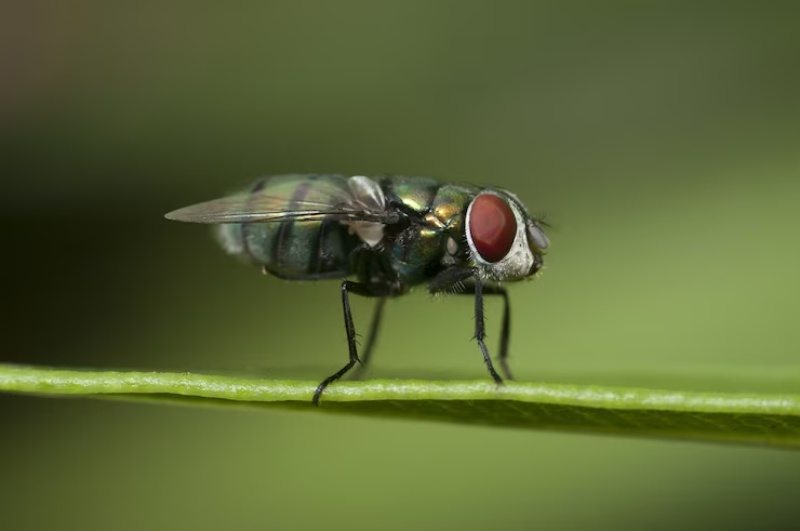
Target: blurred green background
[[660, 139]]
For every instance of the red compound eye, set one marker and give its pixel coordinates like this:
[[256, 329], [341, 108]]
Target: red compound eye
[[492, 227]]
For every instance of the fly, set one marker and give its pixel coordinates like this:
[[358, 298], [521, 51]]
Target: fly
[[382, 237]]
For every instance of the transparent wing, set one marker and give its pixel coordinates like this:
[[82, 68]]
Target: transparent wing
[[295, 197]]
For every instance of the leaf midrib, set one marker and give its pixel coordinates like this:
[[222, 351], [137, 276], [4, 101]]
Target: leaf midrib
[[71, 382]]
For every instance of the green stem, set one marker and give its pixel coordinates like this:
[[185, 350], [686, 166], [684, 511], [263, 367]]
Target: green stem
[[761, 418]]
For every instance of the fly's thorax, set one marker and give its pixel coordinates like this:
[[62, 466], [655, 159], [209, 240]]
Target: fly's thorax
[[448, 213], [431, 238], [504, 242], [416, 194], [442, 230]]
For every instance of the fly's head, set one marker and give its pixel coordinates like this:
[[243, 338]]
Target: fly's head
[[505, 242]]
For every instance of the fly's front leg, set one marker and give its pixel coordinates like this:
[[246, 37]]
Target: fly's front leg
[[347, 288], [505, 331], [453, 280], [480, 330]]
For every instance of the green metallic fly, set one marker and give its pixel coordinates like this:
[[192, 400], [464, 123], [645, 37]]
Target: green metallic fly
[[389, 234]]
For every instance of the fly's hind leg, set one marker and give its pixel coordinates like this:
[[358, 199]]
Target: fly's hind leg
[[365, 290], [372, 338]]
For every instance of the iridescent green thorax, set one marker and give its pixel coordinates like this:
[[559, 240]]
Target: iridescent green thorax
[[435, 238]]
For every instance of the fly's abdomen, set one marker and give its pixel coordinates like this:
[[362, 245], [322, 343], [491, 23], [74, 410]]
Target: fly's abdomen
[[292, 249]]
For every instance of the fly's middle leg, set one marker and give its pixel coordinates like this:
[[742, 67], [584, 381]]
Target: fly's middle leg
[[359, 289]]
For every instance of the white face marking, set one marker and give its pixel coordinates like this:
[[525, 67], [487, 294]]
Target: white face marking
[[537, 235], [519, 260]]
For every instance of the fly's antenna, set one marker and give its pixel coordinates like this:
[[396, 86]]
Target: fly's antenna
[[542, 221]]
